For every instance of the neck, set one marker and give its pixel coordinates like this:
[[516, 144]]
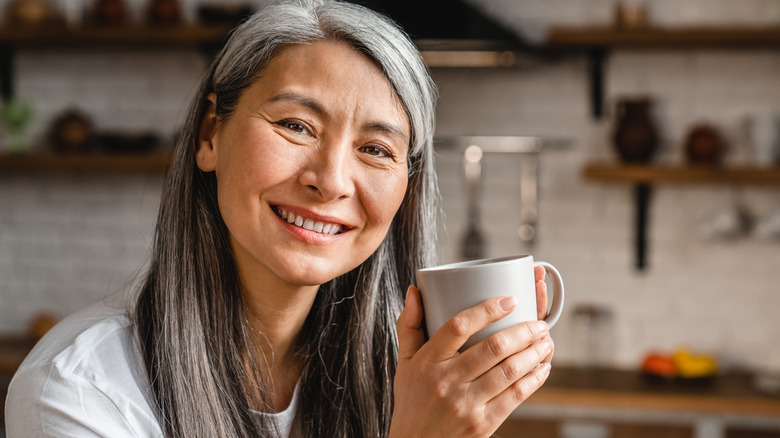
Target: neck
[[276, 313]]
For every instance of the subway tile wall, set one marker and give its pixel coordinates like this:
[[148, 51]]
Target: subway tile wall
[[68, 239]]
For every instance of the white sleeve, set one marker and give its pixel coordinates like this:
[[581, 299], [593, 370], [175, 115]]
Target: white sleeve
[[47, 401]]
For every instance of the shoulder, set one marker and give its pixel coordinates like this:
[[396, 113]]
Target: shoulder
[[86, 375]]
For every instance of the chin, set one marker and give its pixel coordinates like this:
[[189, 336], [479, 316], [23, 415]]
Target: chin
[[311, 276]]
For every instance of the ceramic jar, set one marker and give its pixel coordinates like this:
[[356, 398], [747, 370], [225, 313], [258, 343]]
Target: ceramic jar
[[635, 137]]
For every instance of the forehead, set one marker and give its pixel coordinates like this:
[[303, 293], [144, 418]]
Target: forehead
[[334, 73]]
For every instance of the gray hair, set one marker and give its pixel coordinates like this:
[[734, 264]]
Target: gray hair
[[190, 315]]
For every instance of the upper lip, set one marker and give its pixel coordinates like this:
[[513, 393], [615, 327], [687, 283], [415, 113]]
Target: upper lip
[[308, 214]]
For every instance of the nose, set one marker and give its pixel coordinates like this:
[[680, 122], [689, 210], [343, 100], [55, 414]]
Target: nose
[[329, 171]]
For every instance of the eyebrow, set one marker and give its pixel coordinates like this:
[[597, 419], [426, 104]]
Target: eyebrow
[[386, 128], [305, 101], [320, 110]]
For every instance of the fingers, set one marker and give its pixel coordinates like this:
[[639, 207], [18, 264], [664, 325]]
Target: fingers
[[541, 299], [411, 335], [479, 360], [446, 342], [539, 273], [501, 406], [549, 357], [512, 369]]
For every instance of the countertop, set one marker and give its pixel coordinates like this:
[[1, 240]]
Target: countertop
[[730, 393]]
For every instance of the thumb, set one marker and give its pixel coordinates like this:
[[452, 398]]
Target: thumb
[[411, 335]]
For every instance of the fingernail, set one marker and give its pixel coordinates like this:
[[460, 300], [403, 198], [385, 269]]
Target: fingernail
[[545, 368], [543, 326], [507, 303]]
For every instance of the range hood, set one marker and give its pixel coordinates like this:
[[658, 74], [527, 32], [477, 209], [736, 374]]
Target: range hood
[[453, 33]]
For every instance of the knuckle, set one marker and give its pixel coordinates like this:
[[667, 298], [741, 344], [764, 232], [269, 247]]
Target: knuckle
[[511, 369], [531, 328], [498, 345], [493, 310], [541, 349], [473, 427], [458, 326], [521, 391], [441, 389]]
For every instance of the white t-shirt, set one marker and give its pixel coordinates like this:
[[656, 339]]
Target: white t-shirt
[[86, 378]]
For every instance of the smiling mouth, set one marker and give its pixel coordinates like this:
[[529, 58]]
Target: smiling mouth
[[308, 223]]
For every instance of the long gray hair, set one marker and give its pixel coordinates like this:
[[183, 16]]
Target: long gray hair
[[195, 339]]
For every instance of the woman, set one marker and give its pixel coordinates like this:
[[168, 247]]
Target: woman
[[300, 203]]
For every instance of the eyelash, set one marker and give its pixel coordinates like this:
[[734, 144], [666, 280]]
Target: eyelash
[[285, 123], [380, 149]]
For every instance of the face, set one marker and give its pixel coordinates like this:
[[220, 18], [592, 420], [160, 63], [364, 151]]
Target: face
[[312, 165]]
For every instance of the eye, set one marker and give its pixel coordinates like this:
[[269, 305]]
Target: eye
[[377, 150], [294, 125]]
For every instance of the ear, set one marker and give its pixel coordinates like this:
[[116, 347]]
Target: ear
[[206, 156]]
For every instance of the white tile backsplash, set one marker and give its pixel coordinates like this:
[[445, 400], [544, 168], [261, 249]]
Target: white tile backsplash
[[66, 240]]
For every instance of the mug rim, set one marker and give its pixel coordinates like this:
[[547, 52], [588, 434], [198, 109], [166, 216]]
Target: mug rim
[[471, 264]]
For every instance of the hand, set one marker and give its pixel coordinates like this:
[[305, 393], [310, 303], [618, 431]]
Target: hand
[[439, 391]]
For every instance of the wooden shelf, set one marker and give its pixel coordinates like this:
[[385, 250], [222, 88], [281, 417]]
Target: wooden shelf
[[636, 174], [598, 41], [147, 36], [644, 177], [51, 162], [583, 37]]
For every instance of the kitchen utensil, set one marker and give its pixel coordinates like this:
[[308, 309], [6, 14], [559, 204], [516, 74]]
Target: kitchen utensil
[[529, 214], [769, 226], [764, 136], [727, 222], [593, 335], [635, 134], [473, 242], [704, 145], [450, 289], [71, 131], [164, 12]]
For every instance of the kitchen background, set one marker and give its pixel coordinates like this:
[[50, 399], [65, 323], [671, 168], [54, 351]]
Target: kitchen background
[[69, 238]]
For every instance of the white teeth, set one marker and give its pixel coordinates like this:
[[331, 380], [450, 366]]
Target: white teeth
[[309, 224]]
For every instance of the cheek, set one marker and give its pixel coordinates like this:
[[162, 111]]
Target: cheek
[[386, 198]]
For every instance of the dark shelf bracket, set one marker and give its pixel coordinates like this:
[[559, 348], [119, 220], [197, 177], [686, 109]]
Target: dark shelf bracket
[[6, 72], [642, 195], [596, 58]]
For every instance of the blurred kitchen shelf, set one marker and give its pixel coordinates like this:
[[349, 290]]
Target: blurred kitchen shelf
[[598, 41], [51, 162], [644, 177], [584, 37], [477, 53], [146, 36], [635, 174]]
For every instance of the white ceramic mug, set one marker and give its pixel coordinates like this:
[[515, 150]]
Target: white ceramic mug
[[450, 289]]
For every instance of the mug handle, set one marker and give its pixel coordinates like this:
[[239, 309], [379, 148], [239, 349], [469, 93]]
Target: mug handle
[[557, 296]]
